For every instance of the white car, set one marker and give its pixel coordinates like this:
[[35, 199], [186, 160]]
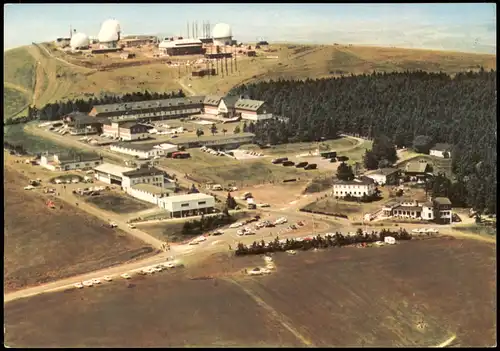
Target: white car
[[268, 259], [236, 225], [78, 285], [29, 187], [255, 271], [157, 269], [265, 271], [113, 225], [96, 281], [170, 265], [107, 278], [201, 239], [240, 232], [292, 252], [88, 283], [270, 266], [125, 276], [132, 226], [194, 242]]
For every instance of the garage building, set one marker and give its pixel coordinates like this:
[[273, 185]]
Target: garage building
[[144, 150], [147, 192], [188, 205]]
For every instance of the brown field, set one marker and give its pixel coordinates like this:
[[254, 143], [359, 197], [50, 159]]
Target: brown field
[[43, 244], [60, 76], [118, 203], [414, 294]]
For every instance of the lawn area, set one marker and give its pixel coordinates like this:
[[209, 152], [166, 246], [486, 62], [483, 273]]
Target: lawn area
[[19, 68], [252, 172], [118, 203], [198, 161], [14, 101], [478, 229], [300, 148]]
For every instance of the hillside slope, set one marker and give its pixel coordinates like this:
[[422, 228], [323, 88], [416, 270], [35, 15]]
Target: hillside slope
[[61, 76]]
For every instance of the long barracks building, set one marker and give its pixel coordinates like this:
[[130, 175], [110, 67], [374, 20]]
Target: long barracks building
[[229, 107]]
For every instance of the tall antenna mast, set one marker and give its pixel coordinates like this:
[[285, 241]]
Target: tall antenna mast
[[225, 58], [196, 24], [192, 33], [188, 29], [70, 31]]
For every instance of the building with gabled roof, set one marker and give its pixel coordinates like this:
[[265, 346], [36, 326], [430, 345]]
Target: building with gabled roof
[[359, 187], [66, 162]]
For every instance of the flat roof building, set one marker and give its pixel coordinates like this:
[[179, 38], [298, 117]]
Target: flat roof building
[[110, 173], [188, 205]]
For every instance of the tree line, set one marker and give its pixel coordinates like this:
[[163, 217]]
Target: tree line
[[319, 242], [412, 109]]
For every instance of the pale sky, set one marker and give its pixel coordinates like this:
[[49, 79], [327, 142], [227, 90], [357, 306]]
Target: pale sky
[[459, 27]]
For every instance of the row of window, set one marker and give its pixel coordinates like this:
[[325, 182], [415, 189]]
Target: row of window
[[87, 164], [351, 193], [199, 203], [350, 186]]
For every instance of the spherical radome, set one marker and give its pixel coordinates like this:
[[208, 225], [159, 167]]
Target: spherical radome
[[222, 30], [79, 40], [110, 30]]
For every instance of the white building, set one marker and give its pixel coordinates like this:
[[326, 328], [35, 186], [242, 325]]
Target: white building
[[145, 175], [126, 131], [357, 187], [441, 150], [389, 176], [147, 192], [253, 110], [110, 173], [143, 150], [222, 34], [66, 162], [438, 209], [187, 205]]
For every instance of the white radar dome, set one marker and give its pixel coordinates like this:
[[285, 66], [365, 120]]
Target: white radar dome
[[222, 30], [110, 31], [79, 40]]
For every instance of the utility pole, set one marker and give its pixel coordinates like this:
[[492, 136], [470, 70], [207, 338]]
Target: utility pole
[[188, 29]]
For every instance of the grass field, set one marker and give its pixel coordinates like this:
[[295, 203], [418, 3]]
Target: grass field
[[14, 101], [413, 294], [60, 76], [19, 68], [43, 244], [118, 203], [304, 148]]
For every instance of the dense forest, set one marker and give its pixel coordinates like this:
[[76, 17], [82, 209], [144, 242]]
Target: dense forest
[[56, 110], [406, 107]]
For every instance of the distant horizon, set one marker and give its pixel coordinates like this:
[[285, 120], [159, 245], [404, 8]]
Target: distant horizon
[[468, 28], [329, 44]]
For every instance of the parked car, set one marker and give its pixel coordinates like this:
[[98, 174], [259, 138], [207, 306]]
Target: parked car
[[311, 166], [288, 163], [301, 164]]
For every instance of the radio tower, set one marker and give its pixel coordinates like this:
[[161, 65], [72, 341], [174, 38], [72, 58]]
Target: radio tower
[[225, 59]]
